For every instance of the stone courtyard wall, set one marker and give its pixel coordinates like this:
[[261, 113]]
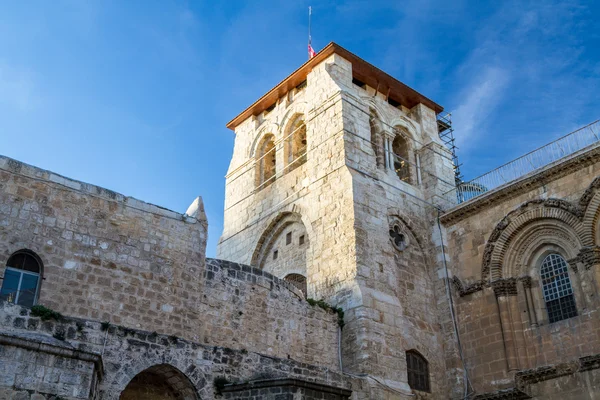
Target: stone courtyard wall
[[111, 258], [495, 244], [126, 353]]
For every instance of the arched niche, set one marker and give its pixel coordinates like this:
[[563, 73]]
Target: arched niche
[[282, 248], [160, 382]]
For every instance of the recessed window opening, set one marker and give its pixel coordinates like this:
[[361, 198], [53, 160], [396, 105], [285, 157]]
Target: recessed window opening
[[21, 279], [557, 289], [299, 281], [400, 155], [266, 162], [296, 143], [301, 85], [393, 102], [275, 254], [288, 238], [359, 83], [271, 108], [301, 240], [418, 371]]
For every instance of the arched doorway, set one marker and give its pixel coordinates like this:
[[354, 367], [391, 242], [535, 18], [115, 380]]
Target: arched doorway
[[160, 382]]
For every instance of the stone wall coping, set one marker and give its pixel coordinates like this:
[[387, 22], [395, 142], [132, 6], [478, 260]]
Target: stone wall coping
[[20, 168], [279, 382], [37, 344], [527, 182], [225, 265]]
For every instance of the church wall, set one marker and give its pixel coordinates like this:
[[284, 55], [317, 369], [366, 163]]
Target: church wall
[[116, 259], [494, 246]]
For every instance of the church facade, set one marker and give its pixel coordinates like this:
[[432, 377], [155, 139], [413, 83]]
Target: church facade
[[353, 265]]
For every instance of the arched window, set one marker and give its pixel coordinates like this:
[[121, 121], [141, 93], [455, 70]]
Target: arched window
[[296, 143], [299, 281], [400, 150], [21, 279], [266, 162], [557, 289], [418, 371]]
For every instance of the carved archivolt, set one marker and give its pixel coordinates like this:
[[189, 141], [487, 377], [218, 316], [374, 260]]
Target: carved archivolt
[[523, 230]]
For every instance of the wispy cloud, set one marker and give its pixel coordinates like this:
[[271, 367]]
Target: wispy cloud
[[481, 98], [17, 88]]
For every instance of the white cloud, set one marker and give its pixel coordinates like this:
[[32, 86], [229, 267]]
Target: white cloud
[[481, 97]]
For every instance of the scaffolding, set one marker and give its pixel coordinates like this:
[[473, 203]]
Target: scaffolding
[[446, 132]]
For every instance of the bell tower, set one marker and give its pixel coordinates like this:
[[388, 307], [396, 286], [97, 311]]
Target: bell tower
[[332, 186]]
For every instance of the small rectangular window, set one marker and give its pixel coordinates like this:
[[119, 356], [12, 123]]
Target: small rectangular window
[[288, 238], [393, 102], [301, 240], [275, 254], [359, 83]]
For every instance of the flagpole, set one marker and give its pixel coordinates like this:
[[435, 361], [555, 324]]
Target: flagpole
[[309, 37]]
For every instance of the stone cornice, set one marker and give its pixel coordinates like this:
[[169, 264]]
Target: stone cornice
[[527, 183]]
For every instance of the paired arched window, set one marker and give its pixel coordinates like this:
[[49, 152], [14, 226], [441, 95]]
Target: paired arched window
[[400, 158], [557, 289], [296, 143], [21, 279], [418, 371], [266, 161]]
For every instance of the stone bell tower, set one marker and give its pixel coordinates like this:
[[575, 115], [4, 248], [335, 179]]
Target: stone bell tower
[[330, 187]]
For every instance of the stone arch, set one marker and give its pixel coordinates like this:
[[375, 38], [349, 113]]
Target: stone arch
[[270, 128], [411, 128], [265, 156], [411, 226], [551, 212], [23, 272], [589, 203], [403, 157], [160, 382], [283, 247]]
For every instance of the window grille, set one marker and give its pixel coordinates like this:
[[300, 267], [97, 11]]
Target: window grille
[[299, 281], [557, 289], [21, 279], [418, 371]]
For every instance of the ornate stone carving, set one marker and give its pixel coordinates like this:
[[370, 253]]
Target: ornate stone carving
[[505, 287], [469, 289], [588, 256], [527, 281], [587, 196]]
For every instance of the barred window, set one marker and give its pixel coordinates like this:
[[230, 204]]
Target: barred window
[[21, 279], [418, 371], [557, 289], [299, 281]]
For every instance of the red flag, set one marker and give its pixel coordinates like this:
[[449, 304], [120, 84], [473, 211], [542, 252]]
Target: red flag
[[311, 51]]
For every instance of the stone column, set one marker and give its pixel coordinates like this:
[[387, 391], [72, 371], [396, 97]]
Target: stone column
[[504, 290], [526, 281]]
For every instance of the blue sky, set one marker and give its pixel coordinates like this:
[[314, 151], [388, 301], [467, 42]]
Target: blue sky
[[134, 96]]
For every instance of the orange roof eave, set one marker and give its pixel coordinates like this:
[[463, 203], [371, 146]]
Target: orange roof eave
[[361, 70]]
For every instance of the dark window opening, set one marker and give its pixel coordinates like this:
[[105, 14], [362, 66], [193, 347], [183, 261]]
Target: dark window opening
[[271, 108], [301, 85], [288, 238], [418, 371], [301, 240], [359, 83], [275, 254], [393, 102]]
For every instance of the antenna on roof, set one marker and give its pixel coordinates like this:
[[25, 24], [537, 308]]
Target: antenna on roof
[[311, 51]]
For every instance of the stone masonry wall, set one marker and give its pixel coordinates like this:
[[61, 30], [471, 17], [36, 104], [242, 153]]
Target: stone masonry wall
[[128, 353], [116, 259], [496, 244]]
